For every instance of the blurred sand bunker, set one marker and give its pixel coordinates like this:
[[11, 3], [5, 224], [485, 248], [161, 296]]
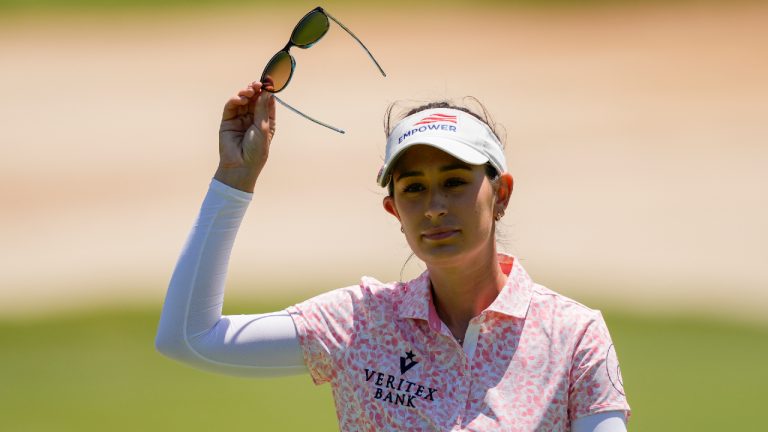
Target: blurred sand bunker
[[637, 138]]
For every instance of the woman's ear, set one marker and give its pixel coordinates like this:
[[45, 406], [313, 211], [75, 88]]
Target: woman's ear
[[389, 206], [504, 191]]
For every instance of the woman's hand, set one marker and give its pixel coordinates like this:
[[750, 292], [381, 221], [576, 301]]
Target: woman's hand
[[247, 128]]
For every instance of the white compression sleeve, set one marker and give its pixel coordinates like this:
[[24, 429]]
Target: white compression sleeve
[[609, 421], [192, 329]]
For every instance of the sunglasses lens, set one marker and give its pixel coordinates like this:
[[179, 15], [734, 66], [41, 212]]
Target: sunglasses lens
[[278, 72], [310, 29]]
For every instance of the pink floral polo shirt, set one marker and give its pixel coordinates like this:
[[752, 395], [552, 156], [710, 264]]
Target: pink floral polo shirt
[[532, 361]]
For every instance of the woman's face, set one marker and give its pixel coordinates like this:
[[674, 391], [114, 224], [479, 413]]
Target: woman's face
[[446, 206]]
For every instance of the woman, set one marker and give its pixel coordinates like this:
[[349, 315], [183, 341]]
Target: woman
[[471, 344]]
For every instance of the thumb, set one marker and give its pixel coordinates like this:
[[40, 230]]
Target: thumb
[[272, 110], [264, 111]]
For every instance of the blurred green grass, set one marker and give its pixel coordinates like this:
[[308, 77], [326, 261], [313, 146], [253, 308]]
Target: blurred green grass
[[99, 371]]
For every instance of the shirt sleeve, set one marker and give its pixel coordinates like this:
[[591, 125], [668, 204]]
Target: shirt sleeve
[[192, 329], [595, 377], [325, 326], [607, 421]]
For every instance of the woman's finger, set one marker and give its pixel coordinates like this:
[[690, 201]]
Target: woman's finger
[[258, 90], [231, 108], [247, 92], [262, 109], [234, 105]]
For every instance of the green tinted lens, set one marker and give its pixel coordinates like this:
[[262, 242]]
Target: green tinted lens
[[310, 29], [278, 72]]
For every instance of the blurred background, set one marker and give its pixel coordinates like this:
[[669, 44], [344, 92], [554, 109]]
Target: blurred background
[[636, 133]]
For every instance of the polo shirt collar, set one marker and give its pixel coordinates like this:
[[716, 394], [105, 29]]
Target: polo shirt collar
[[515, 297], [513, 300], [417, 299]]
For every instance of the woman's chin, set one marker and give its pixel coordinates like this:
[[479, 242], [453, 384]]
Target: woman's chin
[[443, 254]]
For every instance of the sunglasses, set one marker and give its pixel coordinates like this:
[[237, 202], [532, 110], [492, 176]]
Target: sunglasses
[[279, 70]]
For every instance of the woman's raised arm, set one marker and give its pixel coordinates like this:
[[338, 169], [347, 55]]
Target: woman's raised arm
[[192, 329]]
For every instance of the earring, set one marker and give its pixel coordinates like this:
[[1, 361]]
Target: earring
[[402, 230]]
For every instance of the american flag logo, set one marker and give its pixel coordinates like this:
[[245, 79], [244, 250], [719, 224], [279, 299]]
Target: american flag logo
[[437, 117]]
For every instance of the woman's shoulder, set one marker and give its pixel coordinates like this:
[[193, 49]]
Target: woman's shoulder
[[368, 293], [547, 303], [376, 286]]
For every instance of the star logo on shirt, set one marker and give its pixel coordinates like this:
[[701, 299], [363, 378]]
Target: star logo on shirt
[[407, 362]]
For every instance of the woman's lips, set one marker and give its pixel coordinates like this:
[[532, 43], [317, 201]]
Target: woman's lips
[[439, 233]]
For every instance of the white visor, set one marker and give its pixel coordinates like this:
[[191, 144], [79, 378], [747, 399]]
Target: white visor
[[453, 131]]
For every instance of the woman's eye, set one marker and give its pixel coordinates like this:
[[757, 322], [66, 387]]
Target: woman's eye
[[454, 182], [413, 187]]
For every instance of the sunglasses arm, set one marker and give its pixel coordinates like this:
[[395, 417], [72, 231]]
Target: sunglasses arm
[[306, 116], [358, 41]]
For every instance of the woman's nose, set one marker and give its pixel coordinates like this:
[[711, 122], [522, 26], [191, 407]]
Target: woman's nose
[[436, 207]]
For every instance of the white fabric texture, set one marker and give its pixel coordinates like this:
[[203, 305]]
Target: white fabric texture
[[609, 421], [192, 329], [453, 131]]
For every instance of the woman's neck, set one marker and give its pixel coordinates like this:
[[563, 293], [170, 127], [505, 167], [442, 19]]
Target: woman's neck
[[461, 293]]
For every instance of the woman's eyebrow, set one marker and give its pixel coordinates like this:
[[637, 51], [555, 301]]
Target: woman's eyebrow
[[451, 167], [403, 175], [461, 166]]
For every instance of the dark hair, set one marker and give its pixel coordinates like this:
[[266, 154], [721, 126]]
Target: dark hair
[[482, 114]]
